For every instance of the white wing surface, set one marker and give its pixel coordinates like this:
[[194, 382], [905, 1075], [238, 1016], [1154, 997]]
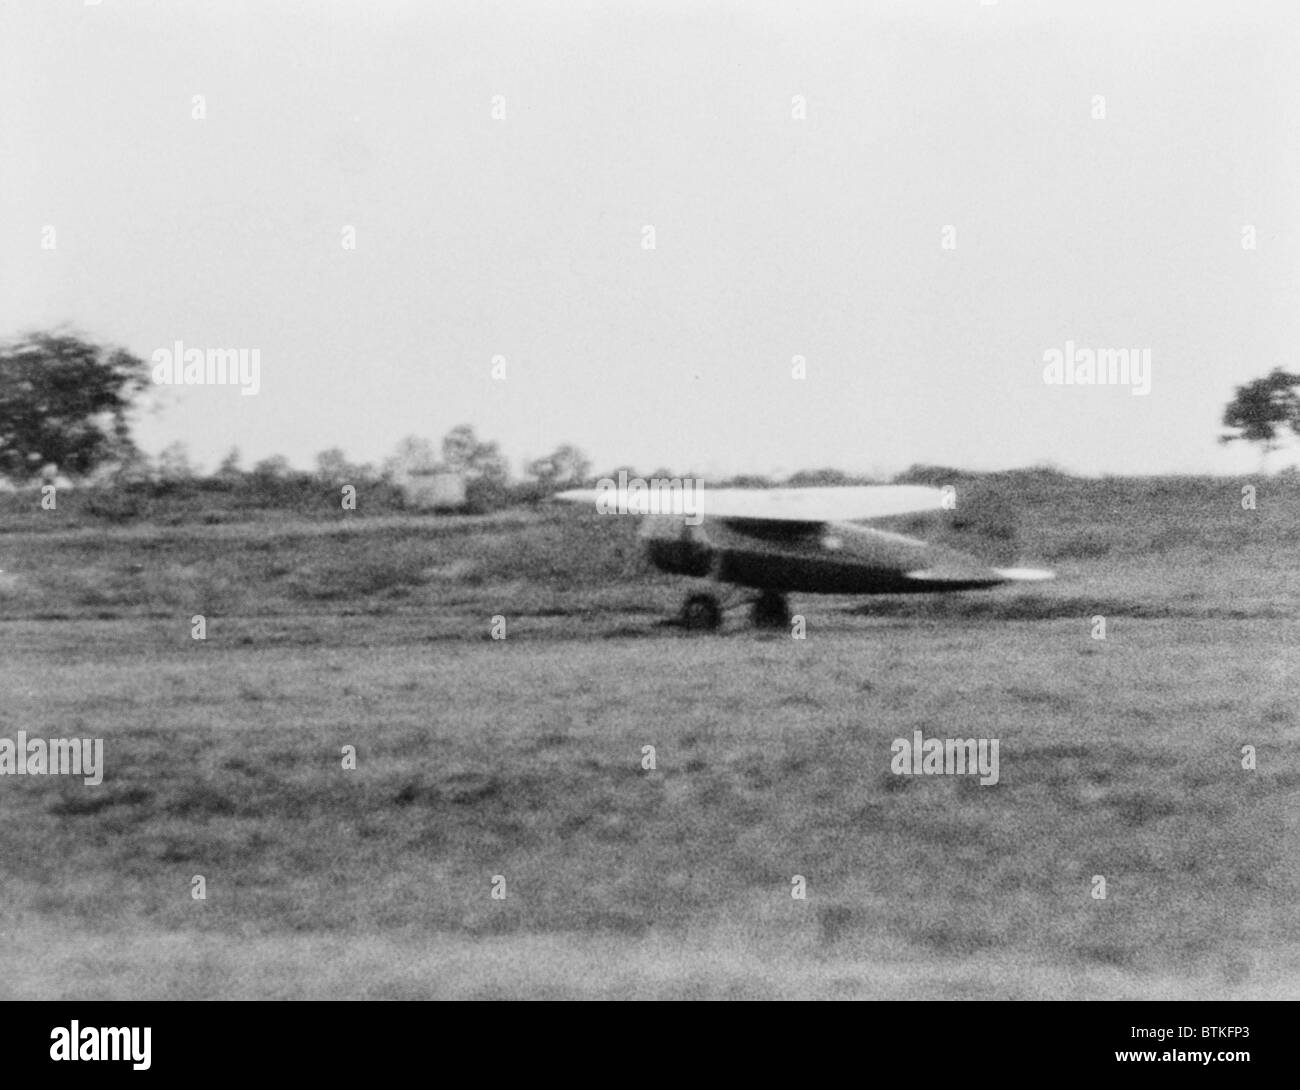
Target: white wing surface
[[766, 504]]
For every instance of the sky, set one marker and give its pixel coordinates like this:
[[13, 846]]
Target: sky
[[920, 201]]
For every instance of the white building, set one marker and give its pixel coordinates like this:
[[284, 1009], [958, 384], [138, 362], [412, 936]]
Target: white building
[[432, 490]]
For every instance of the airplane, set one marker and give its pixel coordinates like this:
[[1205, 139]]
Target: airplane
[[806, 540]]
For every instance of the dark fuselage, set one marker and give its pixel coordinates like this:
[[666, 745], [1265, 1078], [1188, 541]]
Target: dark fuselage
[[811, 558]]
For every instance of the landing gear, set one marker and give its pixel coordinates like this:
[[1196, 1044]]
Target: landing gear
[[770, 610], [701, 613]]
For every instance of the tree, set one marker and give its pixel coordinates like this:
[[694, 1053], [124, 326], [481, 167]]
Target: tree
[[1263, 407], [412, 455], [817, 478], [174, 463], [566, 465], [274, 468], [229, 469], [64, 400], [463, 453], [333, 467]]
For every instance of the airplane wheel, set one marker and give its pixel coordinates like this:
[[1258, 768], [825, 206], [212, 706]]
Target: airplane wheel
[[771, 611], [701, 613]]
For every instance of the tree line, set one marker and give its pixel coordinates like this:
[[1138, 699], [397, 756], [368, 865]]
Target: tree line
[[66, 401]]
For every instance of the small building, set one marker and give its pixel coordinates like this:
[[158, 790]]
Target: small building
[[433, 490]]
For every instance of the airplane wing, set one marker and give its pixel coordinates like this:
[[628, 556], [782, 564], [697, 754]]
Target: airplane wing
[[820, 504], [765, 505]]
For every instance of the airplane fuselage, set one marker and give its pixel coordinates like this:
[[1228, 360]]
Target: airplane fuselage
[[810, 558]]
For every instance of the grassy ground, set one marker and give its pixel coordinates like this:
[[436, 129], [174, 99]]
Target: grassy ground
[[522, 758]]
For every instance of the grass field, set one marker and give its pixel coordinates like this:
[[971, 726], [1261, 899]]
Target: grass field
[[522, 758]]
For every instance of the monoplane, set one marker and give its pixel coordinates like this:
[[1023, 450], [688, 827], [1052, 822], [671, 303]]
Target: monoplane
[[779, 541]]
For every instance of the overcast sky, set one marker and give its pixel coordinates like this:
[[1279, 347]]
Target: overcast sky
[[774, 236]]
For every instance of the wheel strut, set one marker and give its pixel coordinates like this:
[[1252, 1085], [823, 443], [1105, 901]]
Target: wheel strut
[[771, 610]]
